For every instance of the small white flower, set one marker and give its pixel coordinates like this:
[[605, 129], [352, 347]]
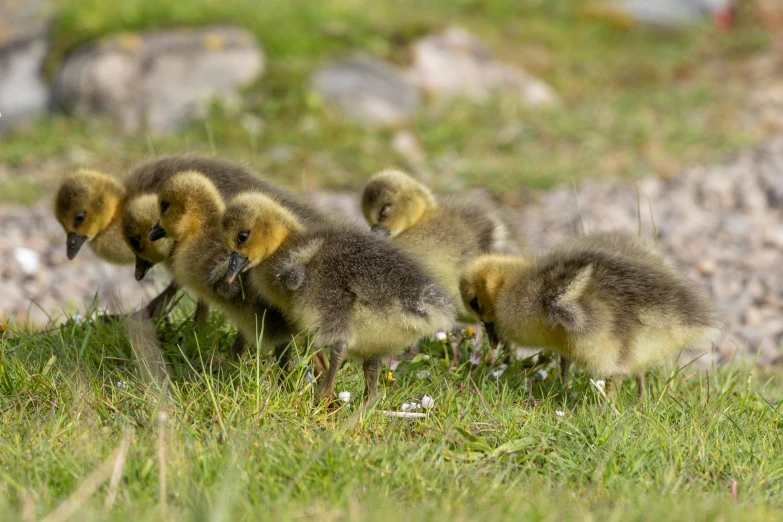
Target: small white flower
[[77, 318], [423, 374], [560, 413], [475, 359], [394, 364], [441, 336], [344, 396], [410, 406], [427, 402], [425, 357], [497, 373], [309, 377], [542, 373], [601, 384], [122, 385]]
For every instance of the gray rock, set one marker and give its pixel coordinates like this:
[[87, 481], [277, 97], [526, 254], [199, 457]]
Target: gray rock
[[23, 48], [367, 90], [456, 63], [158, 80], [671, 13]]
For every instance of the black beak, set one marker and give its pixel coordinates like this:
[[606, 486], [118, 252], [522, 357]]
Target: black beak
[[157, 232], [493, 335], [378, 229], [235, 265], [142, 266], [73, 243]]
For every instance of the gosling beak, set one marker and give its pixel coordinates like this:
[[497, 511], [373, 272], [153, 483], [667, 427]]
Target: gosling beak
[[235, 265], [142, 266], [157, 232], [378, 229], [493, 335], [73, 243]]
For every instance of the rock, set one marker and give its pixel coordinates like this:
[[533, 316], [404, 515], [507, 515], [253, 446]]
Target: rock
[[673, 13], [28, 260], [23, 48], [158, 80], [367, 90], [456, 63]]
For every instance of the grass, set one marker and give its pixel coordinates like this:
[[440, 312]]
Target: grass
[[238, 445], [635, 101]]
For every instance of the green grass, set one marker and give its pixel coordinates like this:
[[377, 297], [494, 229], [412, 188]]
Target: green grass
[[635, 101], [240, 446]]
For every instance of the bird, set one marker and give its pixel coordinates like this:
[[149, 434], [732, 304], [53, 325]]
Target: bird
[[141, 210], [92, 207], [359, 294], [606, 301], [443, 234], [190, 211]]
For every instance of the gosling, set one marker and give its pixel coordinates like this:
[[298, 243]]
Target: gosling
[[606, 301], [361, 295], [190, 212], [444, 235]]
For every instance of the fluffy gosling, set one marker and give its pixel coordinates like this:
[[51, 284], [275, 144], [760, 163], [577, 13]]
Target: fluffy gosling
[[190, 212], [445, 234], [359, 294], [605, 301]]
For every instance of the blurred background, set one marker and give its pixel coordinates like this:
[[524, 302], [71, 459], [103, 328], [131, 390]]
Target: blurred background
[[662, 114]]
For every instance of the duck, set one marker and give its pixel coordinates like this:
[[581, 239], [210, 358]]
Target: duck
[[359, 294], [190, 208], [607, 301], [140, 212], [444, 234]]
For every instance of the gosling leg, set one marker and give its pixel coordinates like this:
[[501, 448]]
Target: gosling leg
[[610, 386], [338, 354], [372, 369], [454, 354], [238, 347], [283, 356], [640, 385], [320, 365], [565, 365], [155, 308], [202, 313]]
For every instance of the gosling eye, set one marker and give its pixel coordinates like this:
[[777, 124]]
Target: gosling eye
[[384, 211], [242, 237], [164, 206], [78, 219], [474, 304], [135, 243]]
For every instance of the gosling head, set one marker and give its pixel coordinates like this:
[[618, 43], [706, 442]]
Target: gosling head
[[253, 227], [138, 218], [480, 283], [393, 201], [86, 204], [188, 203]]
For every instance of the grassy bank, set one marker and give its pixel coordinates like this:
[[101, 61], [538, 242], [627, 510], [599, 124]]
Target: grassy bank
[[635, 100], [238, 445]]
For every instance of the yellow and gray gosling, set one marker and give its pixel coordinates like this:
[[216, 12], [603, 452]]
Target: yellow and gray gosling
[[606, 301], [190, 212], [358, 293], [443, 234], [141, 210]]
